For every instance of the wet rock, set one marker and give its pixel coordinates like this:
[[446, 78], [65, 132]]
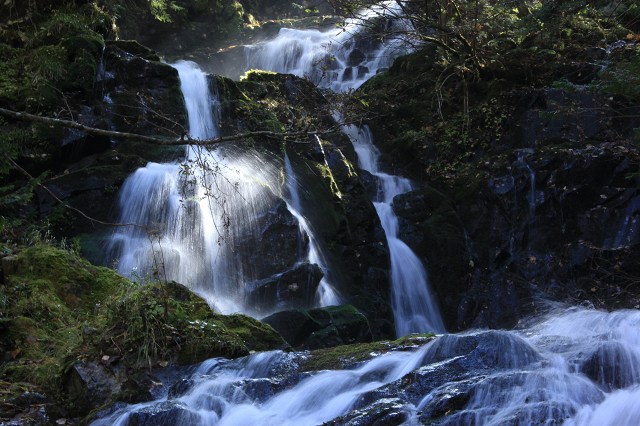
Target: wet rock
[[384, 412], [135, 84], [90, 385], [362, 72], [164, 414], [595, 53], [280, 236], [27, 409], [610, 365], [293, 288], [355, 58], [556, 121], [347, 74], [321, 327]]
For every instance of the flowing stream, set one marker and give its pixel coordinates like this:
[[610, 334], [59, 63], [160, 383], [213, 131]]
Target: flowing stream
[[577, 367], [573, 366], [413, 303]]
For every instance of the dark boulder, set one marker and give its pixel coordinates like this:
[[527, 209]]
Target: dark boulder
[[384, 412], [293, 288], [612, 365], [321, 327]]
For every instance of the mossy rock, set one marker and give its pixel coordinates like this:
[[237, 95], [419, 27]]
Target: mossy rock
[[348, 356], [56, 310], [48, 297], [155, 324], [81, 285]]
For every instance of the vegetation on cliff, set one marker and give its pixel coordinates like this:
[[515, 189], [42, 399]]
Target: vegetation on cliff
[[57, 311], [547, 96]]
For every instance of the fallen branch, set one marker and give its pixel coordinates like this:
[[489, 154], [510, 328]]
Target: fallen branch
[[184, 140], [80, 212]]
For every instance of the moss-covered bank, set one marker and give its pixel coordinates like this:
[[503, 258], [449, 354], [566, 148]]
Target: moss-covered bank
[[58, 312]]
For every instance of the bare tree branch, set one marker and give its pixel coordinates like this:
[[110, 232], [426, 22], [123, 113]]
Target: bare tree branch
[[184, 140], [80, 212]]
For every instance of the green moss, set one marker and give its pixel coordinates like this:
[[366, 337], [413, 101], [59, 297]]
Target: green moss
[[347, 356], [56, 308], [44, 318], [256, 335], [73, 279], [257, 75]]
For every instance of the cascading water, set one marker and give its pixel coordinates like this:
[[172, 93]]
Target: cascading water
[[326, 294], [342, 61], [339, 59], [414, 307], [580, 367], [203, 216], [576, 366]]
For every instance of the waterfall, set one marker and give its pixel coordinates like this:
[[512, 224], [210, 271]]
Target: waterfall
[[573, 366], [414, 307], [203, 216], [343, 60], [326, 294], [339, 58]]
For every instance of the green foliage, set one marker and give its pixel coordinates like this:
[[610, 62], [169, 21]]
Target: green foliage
[[623, 78], [56, 308], [165, 10], [70, 22]]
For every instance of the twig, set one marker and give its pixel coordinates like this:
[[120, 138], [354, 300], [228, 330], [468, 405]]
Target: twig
[[80, 212]]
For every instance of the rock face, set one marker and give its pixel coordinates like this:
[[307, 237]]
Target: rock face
[[321, 327], [333, 198], [132, 87], [137, 87], [538, 223], [537, 201], [295, 287]]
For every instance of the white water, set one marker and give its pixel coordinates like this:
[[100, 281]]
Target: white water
[[203, 215], [586, 356], [338, 58], [535, 376], [414, 306], [326, 294]]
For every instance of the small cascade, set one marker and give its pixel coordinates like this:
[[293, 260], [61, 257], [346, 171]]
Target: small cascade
[[198, 99], [326, 294], [414, 306], [338, 59], [578, 367], [627, 227], [233, 393]]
